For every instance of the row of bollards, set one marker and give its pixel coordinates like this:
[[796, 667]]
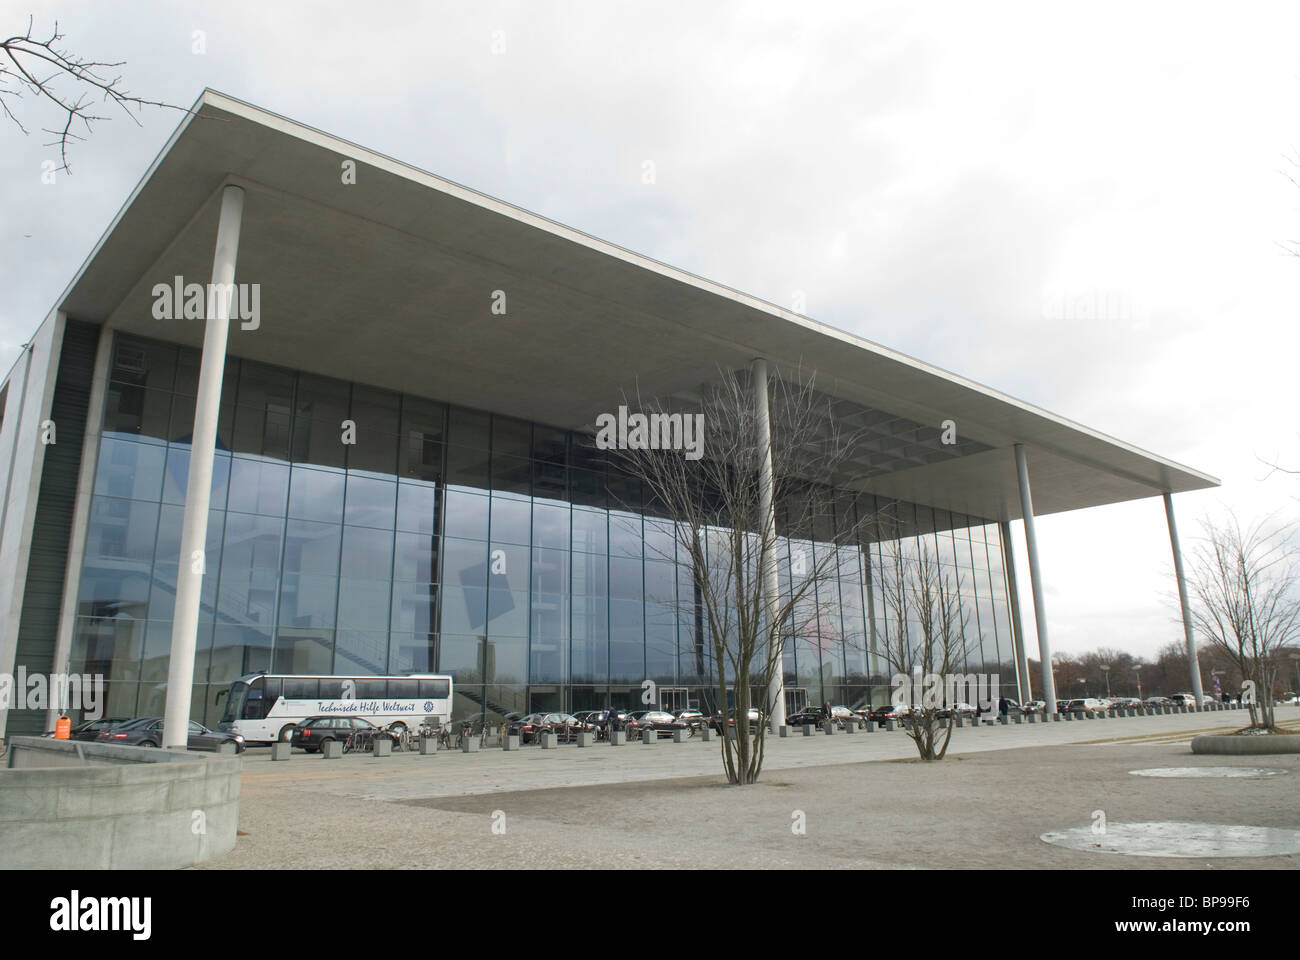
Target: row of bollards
[[333, 749]]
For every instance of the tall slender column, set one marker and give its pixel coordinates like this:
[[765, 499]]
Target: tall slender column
[[770, 584], [1013, 602], [194, 523], [1036, 579], [1193, 665]]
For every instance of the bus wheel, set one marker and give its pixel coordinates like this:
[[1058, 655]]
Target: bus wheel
[[286, 734], [398, 728]]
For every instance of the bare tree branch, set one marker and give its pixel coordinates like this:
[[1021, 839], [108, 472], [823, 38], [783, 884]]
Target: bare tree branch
[[30, 66]]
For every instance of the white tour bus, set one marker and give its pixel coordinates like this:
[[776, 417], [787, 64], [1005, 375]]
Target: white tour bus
[[264, 707]]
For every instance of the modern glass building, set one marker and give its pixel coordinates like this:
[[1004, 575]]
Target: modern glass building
[[405, 481]]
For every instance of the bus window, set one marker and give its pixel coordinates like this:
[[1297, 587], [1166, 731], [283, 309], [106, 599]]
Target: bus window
[[274, 687], [369, 689], [301, 688], [403, 689], [331, 689], [435, 689]]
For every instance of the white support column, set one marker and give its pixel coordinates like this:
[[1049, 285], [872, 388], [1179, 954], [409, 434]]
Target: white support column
[[1024, 685], [194, 523], [1036, 580], [767, 507], [1193, 665]]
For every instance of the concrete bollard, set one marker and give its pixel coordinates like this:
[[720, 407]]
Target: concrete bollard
[[960, 722], [679, 736], [548, 740], [228, 747], [850, 728], [706, 734], [809, 729], [1089, 715], [469, 745], [869, 726], [1020, 718], [1002, 719], [281, 751], [332, 749], [1033, 718], [783, 731], [829, 727], [383, 747], [428, 745], [511, 741], [889, 725], [649, 736], [586, 738], [1069, 716], [731, 732]]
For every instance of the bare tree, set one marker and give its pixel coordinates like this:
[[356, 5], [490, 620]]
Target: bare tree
[[716, 505], [42, 68], [1247, 604], [927, 645]]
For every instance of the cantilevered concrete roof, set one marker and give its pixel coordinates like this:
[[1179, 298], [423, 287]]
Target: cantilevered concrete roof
[[389, 281]]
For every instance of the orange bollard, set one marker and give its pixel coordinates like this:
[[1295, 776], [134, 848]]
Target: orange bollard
[[62, 728]]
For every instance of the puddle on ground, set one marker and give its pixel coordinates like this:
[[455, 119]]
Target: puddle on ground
[[1198, 772], [1168, 838]]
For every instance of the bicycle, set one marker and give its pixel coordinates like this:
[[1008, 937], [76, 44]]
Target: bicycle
[[465, 733]]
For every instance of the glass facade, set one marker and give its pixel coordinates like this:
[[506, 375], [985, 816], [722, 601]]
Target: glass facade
[[357, 530]]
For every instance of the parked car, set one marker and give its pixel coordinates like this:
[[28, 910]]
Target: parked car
[[564, 725], [960, 709], [1158, 701], [693, 718], [1183, 700], [312, 734], [1080, 704], [659, 720], [91, 729], [817, 715], [1127, 702], [891, 711], [599, 721], [148, 732], [755, 718], [811, 715]]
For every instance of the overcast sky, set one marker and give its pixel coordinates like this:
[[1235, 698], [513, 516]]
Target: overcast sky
[[1085, 209]]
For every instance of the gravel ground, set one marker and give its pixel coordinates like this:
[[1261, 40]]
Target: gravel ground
[[863, 802]]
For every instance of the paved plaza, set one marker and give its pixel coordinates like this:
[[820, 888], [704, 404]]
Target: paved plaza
[[863, 800]]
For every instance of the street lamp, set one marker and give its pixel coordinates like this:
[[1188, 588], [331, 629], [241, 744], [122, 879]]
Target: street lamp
[[1105, 669], [1137, 672]]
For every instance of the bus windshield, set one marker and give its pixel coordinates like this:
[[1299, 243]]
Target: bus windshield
[[235, 702]]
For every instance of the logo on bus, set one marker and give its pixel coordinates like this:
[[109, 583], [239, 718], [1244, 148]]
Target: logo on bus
[[428, 706]]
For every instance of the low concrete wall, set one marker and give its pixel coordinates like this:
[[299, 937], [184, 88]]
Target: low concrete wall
[[1244, 746], [90, 806]]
